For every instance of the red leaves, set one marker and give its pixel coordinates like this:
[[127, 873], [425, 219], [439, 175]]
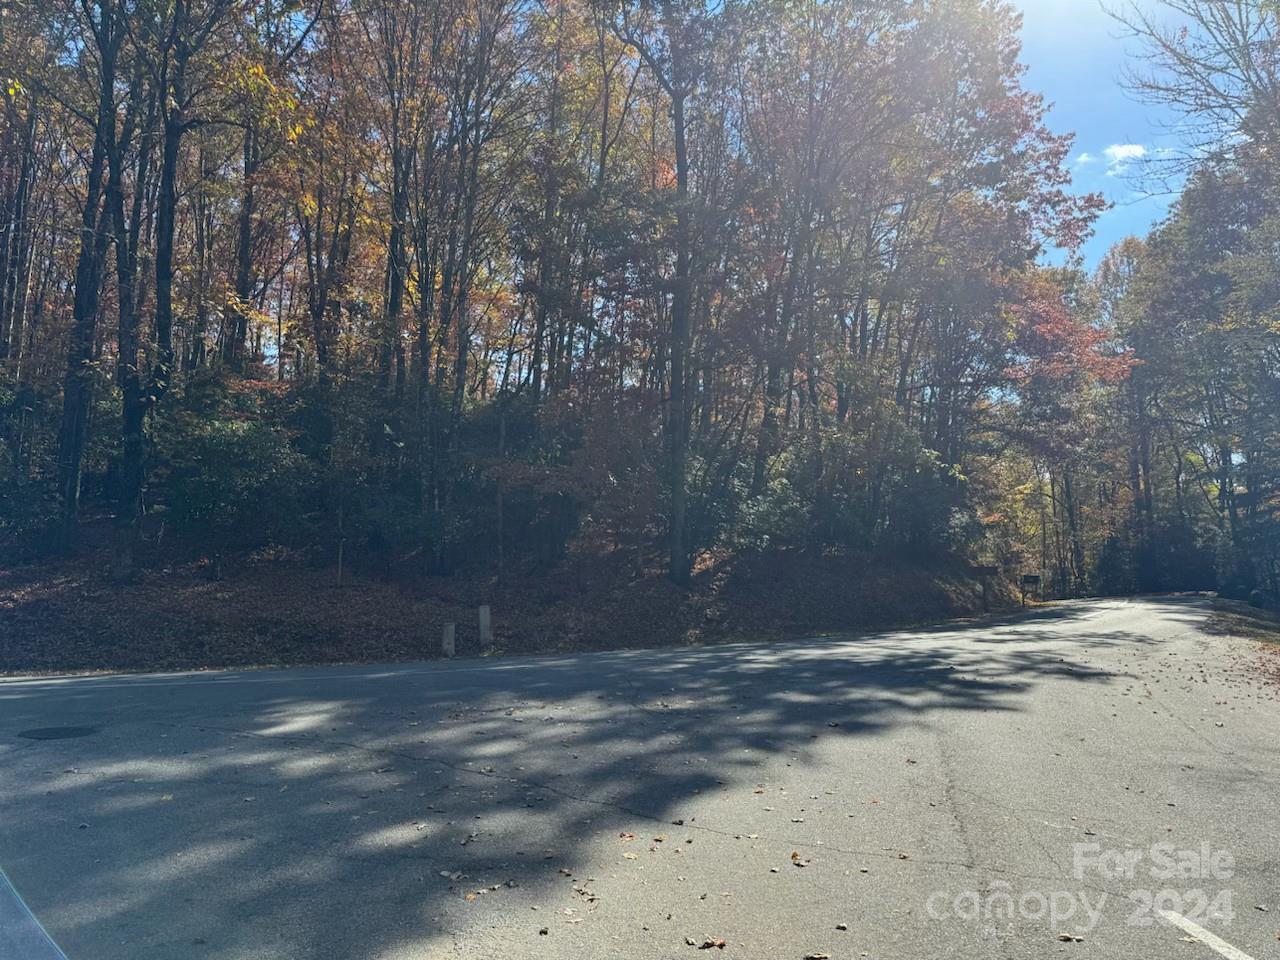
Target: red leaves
[[1057, 346]]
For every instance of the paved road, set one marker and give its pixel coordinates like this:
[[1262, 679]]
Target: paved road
[[907, 795]]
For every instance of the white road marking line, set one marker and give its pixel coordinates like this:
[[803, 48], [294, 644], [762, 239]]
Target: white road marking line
[[1205, 937], [21, 934]]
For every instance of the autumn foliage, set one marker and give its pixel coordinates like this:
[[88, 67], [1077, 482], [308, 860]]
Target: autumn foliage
[[481, 287]]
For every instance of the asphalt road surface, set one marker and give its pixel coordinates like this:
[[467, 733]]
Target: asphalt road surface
[[1104, 771]]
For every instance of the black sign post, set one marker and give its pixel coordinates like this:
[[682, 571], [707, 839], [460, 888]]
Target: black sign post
[[985, 573], [1030, 581]]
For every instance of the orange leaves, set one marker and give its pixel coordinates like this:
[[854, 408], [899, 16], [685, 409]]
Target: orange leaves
[[1057, 345]]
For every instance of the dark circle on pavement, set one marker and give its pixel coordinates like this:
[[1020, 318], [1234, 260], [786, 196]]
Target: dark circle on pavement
[[57, 733]]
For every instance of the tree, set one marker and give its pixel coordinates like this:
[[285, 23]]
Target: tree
[[1212, 61], [669, 38]]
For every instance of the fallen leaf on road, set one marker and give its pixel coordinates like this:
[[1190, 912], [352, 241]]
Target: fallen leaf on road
[[1070, 938], [627, 836], [709, 944], [630, 856]]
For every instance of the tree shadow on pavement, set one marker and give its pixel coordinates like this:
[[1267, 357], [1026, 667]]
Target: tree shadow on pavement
[[374, 812]]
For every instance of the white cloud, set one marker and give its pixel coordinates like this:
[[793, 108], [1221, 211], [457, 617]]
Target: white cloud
[[1120, 155], [1120, 152], [1085, 159]]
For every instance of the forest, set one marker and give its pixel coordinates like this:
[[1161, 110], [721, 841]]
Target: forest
[[453, 289]]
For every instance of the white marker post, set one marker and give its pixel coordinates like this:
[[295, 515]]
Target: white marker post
[[486, 630]]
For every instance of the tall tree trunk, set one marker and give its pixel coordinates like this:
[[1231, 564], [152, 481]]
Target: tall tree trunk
[[678, 415], [137, 400], [15, 252], [77, 391], [233, 347], [1072, 511]]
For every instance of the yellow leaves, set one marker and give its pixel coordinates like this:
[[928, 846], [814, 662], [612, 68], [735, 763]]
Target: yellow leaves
[[13, 87], [249, 85], [307, 205], [249, 78], [237, 306]]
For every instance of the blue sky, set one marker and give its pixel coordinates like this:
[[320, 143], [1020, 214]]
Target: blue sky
[[1076, 56]]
